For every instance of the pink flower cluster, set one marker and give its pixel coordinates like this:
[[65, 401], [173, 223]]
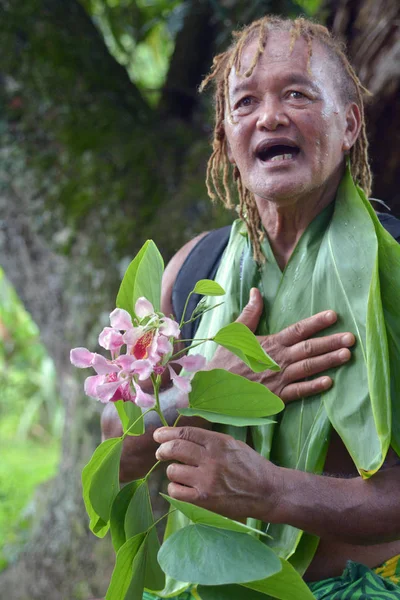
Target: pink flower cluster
[[148, 348]]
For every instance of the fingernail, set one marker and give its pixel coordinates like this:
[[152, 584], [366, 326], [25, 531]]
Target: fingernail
[[326, 383], [344, 354], [158, 433], [347, 339], [253, 295], [330, 316]]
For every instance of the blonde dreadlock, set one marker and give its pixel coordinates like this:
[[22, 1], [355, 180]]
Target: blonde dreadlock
[[218, 180]]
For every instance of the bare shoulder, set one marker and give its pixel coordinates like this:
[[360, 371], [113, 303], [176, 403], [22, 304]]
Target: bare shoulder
[[172, 270]]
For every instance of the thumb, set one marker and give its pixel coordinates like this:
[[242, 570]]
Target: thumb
[[251, 313]]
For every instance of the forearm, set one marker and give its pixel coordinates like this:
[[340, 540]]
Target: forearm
[[353, 510]]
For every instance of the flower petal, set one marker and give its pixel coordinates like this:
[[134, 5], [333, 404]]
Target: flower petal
[[191, 362], [120, 319], [132, 335], [111, 339], [169, 327], [81, 357], [91, 384], [105, 391], [164, 346], [126, 362], [102, 366], [180, 381], [143, 368], [143, 308], [142, 399]]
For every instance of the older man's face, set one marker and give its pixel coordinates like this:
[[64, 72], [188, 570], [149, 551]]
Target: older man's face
[[289, 126]]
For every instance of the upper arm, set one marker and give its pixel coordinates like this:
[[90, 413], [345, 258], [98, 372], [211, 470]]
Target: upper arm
[[171, 272]]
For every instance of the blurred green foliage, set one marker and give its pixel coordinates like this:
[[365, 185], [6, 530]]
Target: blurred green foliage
[[31, 420], [140, 35]]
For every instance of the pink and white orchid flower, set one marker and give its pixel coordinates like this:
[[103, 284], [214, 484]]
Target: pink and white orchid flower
[[148, 346]]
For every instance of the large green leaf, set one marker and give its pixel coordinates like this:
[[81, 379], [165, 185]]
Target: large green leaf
[[129, 412], [287, 584], [125, 569], [104, 485], [228, 592], [213, 556], [118, 513], [139, 518], [98, 525], [154, 579], [238, 339], [197, 514], [224, 419], [207, 287], [389, 279], [219, 391], [142, 278], [139, 515]]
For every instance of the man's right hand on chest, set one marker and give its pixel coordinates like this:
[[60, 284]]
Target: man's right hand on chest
[[296, 351]]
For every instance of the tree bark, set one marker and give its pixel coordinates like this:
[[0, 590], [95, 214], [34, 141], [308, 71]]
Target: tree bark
[[371, 29]]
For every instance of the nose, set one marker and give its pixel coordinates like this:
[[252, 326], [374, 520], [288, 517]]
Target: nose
[[272, 115]]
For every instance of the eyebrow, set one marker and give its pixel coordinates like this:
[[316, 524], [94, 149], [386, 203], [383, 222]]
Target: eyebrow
[[295, 78]]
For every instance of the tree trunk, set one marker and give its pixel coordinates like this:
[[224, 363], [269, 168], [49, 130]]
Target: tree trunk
[[371, 29]]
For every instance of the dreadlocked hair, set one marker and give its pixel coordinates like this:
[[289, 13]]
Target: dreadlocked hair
[[219, 179]]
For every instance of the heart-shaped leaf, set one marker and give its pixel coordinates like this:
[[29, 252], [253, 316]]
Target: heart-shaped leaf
[[213, 556]]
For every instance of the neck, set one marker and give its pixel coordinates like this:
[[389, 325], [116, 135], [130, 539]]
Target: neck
[[284, 223]]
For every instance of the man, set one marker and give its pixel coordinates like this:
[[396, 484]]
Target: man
[[289, 112]]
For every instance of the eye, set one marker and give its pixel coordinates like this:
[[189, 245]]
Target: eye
[[244, 102], [296, 95]]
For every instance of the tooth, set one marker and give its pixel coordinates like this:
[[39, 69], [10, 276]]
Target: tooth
[[282, 157]]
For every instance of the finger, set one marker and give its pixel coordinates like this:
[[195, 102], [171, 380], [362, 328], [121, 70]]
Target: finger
[[306, 328], [251, 313], [323, 345], [182, 474], [182, 492], [180, 450], [312, 366], [304, 389], [191, 434]]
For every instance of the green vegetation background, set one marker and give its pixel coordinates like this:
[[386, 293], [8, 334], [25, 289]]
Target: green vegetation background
[[104, 142]]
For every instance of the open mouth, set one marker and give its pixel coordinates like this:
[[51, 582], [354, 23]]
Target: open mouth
[[278, 152]]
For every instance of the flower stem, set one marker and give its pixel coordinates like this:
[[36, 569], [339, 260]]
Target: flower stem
[[152, 469], [156, 386], [176, 421], [184, 311], [188, 348]]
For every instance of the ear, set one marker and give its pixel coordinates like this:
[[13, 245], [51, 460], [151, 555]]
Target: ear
[[353, 126]]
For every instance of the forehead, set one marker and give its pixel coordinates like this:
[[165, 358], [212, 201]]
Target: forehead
[[282, 58]]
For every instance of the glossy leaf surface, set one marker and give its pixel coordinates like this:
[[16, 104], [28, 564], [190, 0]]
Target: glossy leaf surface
[[118, 513], [219, 391], [124, 572], [228, 592], [207, 287], [142, 278], [104, 486], [129, 412], [200, 515], [224, 419], [287, 584], [212, 556], [238, 339], [98, 525]]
